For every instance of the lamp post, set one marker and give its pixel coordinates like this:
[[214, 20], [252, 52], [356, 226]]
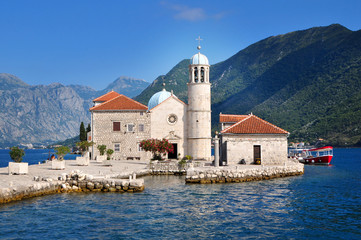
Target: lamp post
[[216, 150]]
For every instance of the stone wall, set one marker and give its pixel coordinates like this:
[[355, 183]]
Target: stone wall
[[234, 148], [102, 131], [73, 182], [84, 183], [242, 173], [171, 167]]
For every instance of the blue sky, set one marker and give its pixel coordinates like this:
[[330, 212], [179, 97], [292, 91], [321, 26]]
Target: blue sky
[[92, 42]]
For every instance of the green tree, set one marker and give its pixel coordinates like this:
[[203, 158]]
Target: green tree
[[82, 133], [109, 153], [61, 152], [84, 146], [16, 154], [102, 149], [88, 128]]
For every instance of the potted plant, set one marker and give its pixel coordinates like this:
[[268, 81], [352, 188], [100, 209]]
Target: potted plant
[[83, 147], [109, 154], [17, 167], [59, 163], [102, 157]]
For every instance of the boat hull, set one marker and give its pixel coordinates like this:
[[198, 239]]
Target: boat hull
[[323, 160]]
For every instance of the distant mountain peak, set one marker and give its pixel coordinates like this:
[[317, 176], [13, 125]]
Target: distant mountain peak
[[9, 81]]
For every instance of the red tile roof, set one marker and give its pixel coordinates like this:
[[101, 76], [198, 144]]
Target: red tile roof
[[106, 97], [254, 125], [231, 118], [120, 102]]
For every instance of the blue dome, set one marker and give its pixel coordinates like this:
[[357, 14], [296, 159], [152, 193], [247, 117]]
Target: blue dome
[[157, 98], [199, 59]]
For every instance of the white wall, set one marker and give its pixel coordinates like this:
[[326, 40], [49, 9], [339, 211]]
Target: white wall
[[273, 148]]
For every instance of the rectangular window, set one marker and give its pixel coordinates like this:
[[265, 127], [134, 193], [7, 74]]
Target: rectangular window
[[130, 127], [140, 149], [141, 113], [141, 127], [116, 126], [116, 147]]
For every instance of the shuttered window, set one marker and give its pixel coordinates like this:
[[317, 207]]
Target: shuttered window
[[130, 127], [116, 126], [141, 127]]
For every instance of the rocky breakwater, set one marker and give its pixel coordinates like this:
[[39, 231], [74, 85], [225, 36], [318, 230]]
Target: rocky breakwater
[[76, 181], [80, 182], [242, 173]]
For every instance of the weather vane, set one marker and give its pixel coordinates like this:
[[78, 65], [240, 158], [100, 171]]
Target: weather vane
[[199, 42]]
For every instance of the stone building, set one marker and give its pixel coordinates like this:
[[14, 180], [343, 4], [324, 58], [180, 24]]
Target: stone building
[[248, 139], [121, 123]]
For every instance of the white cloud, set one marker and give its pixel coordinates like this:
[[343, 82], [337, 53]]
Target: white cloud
[[183, 12]]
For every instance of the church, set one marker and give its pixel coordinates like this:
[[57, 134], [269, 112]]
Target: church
[[121, 123]]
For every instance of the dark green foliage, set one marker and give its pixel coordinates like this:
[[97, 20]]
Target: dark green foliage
[[88, 128], [17, 154], [61, 152], [306, 82], [82, 132], [102, 149], [84, 146], [176, 80], [109, 153]]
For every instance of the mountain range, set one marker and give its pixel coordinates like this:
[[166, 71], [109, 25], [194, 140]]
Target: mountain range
[[307, 82], [46, 114]]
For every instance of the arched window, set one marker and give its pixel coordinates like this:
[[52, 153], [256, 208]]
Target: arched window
[[202, 74], [195, 74]]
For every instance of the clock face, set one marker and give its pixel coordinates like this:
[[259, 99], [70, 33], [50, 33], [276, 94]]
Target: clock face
[[172, 119]]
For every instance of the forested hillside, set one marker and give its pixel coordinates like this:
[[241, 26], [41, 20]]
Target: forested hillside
[[307, 82]]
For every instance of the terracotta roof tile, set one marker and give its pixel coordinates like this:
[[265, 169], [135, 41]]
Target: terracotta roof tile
[[106, 97], [231, 118], [119, 103], [254, 125]]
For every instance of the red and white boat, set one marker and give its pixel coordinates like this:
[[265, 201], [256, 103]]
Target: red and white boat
[[322, 155]]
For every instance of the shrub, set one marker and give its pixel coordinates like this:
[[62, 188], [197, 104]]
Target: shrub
[[109, 153], [16, 154], [102, 149], [61, 152], [84, 146], [157, 147]]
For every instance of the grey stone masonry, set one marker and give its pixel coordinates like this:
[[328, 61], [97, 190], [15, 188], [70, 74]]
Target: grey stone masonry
[[242, 173], [134, 127]]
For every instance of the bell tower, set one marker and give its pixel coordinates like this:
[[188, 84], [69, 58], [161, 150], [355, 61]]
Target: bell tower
[[199, 107]]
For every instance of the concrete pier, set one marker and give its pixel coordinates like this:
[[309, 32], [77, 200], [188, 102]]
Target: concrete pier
[[42, 180]]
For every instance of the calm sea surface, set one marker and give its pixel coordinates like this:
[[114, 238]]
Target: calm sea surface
[[32, 156], [324, 203]]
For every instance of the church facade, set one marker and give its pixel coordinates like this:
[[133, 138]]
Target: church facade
[[122, 123]]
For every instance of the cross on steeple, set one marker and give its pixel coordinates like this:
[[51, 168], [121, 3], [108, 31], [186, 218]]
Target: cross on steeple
[[199, 42]]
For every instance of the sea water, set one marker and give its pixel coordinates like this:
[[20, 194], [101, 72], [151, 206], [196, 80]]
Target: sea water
[[32, 156], [324, 203]]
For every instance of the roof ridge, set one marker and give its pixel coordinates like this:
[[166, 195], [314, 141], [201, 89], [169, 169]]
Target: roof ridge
[[101, 104], [272, 125], [104, 95], [115, 98], [135, 101], [240, 121], [167, 100]]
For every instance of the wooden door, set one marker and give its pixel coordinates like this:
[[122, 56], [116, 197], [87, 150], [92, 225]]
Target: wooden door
[[257, 154]]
